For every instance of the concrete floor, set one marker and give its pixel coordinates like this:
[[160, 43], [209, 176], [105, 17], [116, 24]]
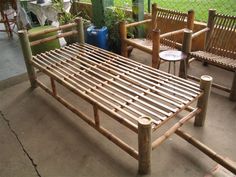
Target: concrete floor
[[39, 137]]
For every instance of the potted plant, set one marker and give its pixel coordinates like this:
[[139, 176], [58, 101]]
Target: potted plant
[[113, 16], [65, 17]]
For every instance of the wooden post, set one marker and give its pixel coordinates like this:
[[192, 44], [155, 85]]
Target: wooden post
[[190, 20], [205, 85], [233, 89], [80, 29], [154, 14], [144, 145], [210, 25], [156, 48], [27, 53], [123, 33], [186, 48]]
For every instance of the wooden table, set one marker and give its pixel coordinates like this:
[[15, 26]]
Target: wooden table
[[141, 98], [173, 56]]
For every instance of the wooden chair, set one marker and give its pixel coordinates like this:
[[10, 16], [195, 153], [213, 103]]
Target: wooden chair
[[220, 46], [8, 17], [170, 23]]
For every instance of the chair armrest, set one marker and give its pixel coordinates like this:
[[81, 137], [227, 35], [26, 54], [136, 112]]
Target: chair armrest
[[138, 23], [172, 33], [200, 32]]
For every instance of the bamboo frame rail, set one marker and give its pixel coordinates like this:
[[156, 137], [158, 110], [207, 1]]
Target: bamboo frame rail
[[220, 33], [162, 36], [139, 97]]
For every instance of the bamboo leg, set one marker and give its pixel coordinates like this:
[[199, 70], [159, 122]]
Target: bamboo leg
[[53, 85], [156, 48], [233, 89], [25, 44], [96, 115], [123, 35], [205, 84], [144, 145], [186, 48], [80, 29]]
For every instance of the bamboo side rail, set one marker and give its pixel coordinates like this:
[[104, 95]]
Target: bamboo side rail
[[174, 128], [70, 25], [132, 152], [137, 23], [172, 33], [141, 47], [198, 33], [41, 41], [206, 150], [213, 84]]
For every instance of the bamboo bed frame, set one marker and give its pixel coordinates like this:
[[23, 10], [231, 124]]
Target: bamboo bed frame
[[139, 97]]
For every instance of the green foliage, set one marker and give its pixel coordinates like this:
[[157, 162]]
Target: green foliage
[[113, 16], [63, 16]]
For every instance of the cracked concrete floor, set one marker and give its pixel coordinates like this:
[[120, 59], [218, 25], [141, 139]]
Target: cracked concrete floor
[[45, 139]]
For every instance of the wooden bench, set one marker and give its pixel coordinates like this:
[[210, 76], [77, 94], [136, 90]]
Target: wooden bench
[[167, 27], [220, 46], [139, 97]]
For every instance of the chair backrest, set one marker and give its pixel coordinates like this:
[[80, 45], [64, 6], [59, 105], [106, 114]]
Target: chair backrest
[[221, 38], [170, 20], [167, 20]]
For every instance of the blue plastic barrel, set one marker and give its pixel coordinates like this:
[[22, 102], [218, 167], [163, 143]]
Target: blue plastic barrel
[[98, 36]]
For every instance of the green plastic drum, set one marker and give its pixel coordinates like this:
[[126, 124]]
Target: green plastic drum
[[45, 46]]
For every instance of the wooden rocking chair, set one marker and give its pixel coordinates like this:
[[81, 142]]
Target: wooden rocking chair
[[170, 23], [220, 46], [8, 18]]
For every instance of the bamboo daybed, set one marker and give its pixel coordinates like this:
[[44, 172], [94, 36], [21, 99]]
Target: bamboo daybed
[[139, 97]]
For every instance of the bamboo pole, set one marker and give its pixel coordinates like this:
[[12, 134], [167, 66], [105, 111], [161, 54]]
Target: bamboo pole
[[233, 89], [175, 127], [205, 85], [96, 115], [25, 45], [190, 19], [53, 85], [70, 25], [123, 36], [210, 25], [144, 145], [80, 29], [213, 84], [41, 41], [186, 48], [156, 48], [206, 150], [137, 23]]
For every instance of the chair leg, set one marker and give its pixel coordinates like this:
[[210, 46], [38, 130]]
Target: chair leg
[[233, 89], [124, 49]]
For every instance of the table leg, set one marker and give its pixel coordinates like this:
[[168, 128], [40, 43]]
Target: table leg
[[144, 145], [205, 85], [174, 67], [169, 68]]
